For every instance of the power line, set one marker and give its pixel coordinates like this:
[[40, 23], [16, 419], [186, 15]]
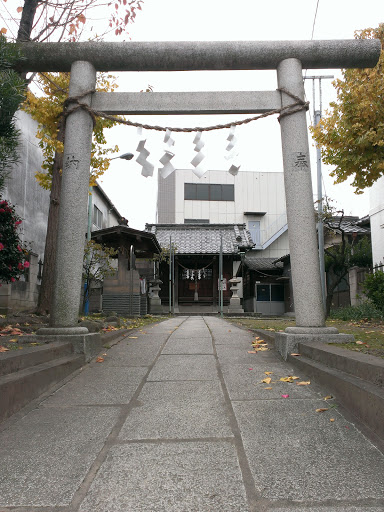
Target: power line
[[314, 19]]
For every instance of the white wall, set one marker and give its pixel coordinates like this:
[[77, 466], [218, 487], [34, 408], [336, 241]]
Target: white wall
[[376, 214], [109, 215], [254, 192]]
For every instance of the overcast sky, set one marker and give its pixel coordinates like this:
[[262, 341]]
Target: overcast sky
[[259, 142]]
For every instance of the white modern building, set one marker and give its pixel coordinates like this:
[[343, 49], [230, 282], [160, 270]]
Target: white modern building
[[376, 214], [255, 199]]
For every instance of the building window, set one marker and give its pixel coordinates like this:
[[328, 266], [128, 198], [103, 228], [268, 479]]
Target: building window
[[254, 229], [270, 293], [196, 221], [208, 192], [97, 217]]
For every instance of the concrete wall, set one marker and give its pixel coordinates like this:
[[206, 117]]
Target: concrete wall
[[166, 199], [22, 189], [376, 214]]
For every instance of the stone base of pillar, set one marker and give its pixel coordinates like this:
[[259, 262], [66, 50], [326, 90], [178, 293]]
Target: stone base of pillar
[[287, 342], [155, 307], [235, 305], [58, 331], [89, 344]]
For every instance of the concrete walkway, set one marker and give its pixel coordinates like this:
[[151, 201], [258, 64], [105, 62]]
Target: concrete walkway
[[176, 419]]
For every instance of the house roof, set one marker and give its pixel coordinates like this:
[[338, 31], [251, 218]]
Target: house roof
[[254, 262], [145, 243], [202, 238], [111, 206], [349, 225]]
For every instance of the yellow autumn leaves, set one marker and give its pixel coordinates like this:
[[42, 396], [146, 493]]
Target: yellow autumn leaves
[[47, 110], [289, 378], [258, 345]]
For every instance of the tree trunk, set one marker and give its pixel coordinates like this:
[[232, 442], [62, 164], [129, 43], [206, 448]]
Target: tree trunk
[[46, 289], [333, 281], [26, 22]]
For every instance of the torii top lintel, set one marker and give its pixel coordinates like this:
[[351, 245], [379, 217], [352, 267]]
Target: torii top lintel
[[191, 56]]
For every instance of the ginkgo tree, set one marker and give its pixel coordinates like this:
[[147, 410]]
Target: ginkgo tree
[[351, 133], [47, 110]]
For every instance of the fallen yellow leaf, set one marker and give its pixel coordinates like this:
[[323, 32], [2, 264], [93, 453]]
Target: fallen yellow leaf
[[322, 409], [295, 355], [328, 397], [252, 352], [293, 377], [286, 379], [331, 419], [267, 380], [99, 359], [303, 383], [359, 342], [3, 349], [268, 373], [267, 388], [14, 340], [133, 337]]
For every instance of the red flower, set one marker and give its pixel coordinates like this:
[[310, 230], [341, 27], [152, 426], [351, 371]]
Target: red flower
[[18, 222], [2, 210], [19, 248], [1, 246], [26, 264], [13, 279], [20, 266]]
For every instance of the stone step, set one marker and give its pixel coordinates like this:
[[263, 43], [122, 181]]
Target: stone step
[[17, 389], [364, 400], [364, 366], [15, 361]]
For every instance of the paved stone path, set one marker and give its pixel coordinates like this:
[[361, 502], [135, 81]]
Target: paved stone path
[[177, 420]]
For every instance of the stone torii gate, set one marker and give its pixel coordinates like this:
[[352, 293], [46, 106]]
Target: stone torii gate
[[83, 60]]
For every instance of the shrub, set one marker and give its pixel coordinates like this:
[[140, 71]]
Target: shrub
[[13, 254], [374, 288], [367, 310]]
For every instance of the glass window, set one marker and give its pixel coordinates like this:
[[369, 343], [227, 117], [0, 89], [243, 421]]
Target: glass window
[[189, 191], [215, 193], [277, 292], [202, 192], [228, 193], [97, 217], [209, 192], [263, 292], [196, 221]]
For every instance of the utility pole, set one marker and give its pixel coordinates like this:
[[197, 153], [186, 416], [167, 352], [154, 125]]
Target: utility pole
[[221, 276], [170, 275], [320, 225]]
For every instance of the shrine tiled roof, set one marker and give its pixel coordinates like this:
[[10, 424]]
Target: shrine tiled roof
[[202, 238]]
